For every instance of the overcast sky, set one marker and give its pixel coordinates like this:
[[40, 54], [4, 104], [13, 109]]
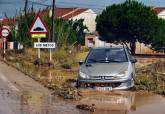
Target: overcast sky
[[11, 6]]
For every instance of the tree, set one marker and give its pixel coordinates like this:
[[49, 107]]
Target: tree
[[24, 23], [129, 22], [67, 32]]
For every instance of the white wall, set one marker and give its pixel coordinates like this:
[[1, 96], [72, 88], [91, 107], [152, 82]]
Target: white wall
[[89, 17], [99, 43], [162, 14]]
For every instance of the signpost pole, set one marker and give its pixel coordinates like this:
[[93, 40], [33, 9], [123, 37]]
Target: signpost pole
[[39, 51], [4, 45], [50, 55]]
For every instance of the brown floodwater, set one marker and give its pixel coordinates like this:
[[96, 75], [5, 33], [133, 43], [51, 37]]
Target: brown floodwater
[[106, 102], [125, 102], [119, 102]]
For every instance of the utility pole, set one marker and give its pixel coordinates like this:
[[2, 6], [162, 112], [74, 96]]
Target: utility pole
[[53, 15], [52, 39]]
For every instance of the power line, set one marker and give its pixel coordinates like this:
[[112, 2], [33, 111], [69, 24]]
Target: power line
[[93, 6], [37, 3], [96, 7], [90, 5]]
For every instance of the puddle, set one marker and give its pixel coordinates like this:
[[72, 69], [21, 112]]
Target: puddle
[[125, 102]]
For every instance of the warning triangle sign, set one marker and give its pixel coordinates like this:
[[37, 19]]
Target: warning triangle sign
[[38, 26]]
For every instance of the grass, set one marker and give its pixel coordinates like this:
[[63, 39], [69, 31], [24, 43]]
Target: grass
[[151, 78]]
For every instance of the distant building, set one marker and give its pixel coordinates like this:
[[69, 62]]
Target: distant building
[[160, 11], [94, 41], [88, 15], [74, 13], [7, 21]]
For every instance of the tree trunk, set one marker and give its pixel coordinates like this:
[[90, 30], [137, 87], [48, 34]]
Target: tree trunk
[[133, 47]]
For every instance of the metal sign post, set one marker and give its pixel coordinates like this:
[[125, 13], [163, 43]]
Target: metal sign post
[[4, 45], [38, 30], [5, 33], [39, 51], [50, 58], [45, 45]]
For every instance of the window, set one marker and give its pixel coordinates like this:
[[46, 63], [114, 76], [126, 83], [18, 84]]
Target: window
[[107, 55]]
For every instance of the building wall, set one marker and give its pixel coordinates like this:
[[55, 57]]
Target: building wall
[[162, 14], [93, 41], [145, 49], [89, 17], [96, 41]]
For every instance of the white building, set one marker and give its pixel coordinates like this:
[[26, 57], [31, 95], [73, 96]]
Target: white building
[[160, 11], [88, 15]]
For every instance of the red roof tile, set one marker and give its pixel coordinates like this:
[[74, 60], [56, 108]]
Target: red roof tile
[[158, 10], [65, 13], [7, 21], [74, 13]]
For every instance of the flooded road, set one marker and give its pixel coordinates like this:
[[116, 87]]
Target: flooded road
[[20, 94], [125, 102]]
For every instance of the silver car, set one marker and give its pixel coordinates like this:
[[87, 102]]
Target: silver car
[[107, 68]]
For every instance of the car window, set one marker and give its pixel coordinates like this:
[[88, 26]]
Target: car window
[[107, 55]]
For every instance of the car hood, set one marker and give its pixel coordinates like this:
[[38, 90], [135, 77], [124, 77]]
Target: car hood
[[104, 69]]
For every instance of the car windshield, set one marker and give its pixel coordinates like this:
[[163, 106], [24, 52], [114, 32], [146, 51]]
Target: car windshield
[[107, 55]]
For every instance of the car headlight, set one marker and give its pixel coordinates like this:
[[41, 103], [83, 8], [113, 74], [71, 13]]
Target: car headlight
[[122, 74], [83, 75]]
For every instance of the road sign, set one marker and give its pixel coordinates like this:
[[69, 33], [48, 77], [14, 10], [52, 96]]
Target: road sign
[[38, 28], [5, 32], [38, 35], [49, 45]]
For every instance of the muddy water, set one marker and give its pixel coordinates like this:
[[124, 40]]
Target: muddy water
[[119, 102], [32, 102], [125, 103]]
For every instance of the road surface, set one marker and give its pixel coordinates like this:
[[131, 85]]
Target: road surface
[[20, 94]]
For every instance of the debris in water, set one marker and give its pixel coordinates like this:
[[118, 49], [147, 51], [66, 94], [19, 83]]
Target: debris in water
[[86, 107]]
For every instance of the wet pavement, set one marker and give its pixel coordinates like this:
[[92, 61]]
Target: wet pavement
[[20, 94]]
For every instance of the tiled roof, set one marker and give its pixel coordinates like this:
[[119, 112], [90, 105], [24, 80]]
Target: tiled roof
[[7, 21], [158, 10], [66, 13]]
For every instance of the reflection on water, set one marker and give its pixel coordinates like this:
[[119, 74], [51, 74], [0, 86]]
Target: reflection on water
[[121, 102], [125, 103], [111, 101]]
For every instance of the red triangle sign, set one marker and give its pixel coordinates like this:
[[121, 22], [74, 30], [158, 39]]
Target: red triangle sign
[[38, 26]]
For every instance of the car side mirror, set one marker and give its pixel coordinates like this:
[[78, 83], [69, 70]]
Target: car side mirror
[[81, 62], [133, 60]]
